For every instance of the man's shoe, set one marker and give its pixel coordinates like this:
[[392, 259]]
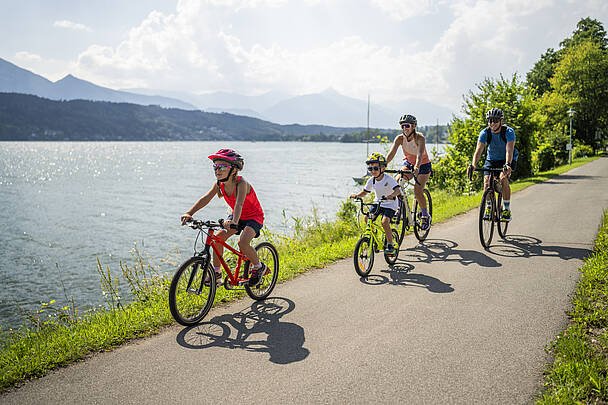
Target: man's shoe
[[506, 216], [256, 275], [487, 214]]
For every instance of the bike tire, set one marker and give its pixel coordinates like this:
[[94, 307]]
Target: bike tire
[[401, 222], [270, 257], [501, 225], [364, 256], [391, 259], [422, 234], [190, 297], [486, 226]]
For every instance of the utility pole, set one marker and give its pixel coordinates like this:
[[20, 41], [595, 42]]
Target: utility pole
[[571, 114]]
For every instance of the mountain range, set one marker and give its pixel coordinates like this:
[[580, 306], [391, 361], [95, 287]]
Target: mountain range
[[328, 108]]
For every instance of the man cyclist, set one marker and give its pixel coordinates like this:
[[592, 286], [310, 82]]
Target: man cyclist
[[500, 140]]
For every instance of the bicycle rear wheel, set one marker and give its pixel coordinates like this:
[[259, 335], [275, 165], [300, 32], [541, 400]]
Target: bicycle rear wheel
[[270, 257], [400, 221], [419, 232], [502, 225], [486, 219], [391, 259], [192, 291], [364, 256]]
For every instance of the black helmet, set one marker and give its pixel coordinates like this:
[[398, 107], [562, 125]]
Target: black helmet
[[494, 113], [410, 119]]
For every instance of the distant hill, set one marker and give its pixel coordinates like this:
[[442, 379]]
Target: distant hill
[[328, 107], [14, 79], [26, 117]]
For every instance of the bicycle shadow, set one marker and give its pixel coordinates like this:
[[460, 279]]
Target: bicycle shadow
[[284, 341], [443, 250], [526, 246], [401, 275]]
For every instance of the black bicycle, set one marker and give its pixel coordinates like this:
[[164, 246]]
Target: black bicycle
[[489, 209]]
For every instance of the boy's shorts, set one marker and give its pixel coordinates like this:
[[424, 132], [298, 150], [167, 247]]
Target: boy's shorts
[[387, 212]]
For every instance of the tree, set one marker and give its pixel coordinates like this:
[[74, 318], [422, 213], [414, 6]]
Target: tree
[[581, 82], [518, 103], [587, 29], [538, 77]]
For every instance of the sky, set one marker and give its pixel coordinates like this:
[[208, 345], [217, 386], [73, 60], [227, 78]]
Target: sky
[[434, 50]]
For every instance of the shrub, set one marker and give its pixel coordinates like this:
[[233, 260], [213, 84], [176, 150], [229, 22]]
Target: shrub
[[543, 158]]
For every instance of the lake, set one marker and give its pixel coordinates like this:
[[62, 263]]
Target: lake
[[63, 205]]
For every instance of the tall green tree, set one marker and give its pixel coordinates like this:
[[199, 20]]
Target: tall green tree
[[581, 82], [587, 29], [518, 103]]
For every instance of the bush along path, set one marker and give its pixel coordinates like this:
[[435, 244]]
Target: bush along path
[[35, 349]]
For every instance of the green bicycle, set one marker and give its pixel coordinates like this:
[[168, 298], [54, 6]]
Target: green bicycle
[[373, 236]]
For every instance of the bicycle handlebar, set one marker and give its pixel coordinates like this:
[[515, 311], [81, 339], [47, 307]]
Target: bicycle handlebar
[[376, 210], [402, 172]]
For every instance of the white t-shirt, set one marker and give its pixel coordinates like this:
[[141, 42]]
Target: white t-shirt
[[383, 187]]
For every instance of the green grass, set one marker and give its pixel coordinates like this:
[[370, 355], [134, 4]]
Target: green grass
[[32, 352], [579, 372]]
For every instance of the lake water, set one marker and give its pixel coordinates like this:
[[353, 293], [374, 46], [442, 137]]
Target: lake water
[[63, 205]]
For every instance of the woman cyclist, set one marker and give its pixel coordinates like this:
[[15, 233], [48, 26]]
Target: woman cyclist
[[416, 159], [247, 213]]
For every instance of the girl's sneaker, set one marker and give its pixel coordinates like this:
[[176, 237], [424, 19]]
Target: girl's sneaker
[[425, 222], [256, 275]]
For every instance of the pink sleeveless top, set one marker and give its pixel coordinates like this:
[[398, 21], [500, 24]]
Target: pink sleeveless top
[[410, 150], [251, 206]]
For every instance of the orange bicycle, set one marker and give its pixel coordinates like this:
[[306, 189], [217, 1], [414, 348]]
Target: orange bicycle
[[194, 285]]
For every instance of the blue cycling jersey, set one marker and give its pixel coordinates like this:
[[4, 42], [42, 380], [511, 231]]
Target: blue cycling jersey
[[497, 149]]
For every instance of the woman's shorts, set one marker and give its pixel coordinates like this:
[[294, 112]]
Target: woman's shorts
[[424, 169]]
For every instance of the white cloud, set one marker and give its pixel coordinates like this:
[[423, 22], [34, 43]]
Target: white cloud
[[404, 9], [27, 56], [71, 25]]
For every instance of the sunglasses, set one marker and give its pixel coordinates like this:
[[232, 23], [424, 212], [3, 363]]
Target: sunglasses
[[373, 168], [406, 126], [220, 167], [493, 120]]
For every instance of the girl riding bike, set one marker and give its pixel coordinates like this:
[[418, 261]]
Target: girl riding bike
[[247, 215], [416, 159]]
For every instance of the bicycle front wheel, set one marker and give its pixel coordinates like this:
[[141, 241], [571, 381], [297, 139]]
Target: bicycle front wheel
[[270, 257], [487, 214], [364, 256], [192, 291], [391, 259], [502, 225], [418, 231]]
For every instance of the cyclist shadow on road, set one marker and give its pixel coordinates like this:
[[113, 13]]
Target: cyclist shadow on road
[[284, 341], [400, 274], [443, 250], [526, 246]]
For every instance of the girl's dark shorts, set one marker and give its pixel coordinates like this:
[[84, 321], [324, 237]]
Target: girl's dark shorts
[[255, 225]]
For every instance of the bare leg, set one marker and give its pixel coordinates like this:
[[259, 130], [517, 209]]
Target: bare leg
[[506, 187], [419, 188], [386, 225], [245, 239], [223, 235]]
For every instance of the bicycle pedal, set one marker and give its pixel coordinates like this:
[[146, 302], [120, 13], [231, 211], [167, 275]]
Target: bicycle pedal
[[243, 282]]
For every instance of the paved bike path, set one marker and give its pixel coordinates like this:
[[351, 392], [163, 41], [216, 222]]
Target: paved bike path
[[449, 323]]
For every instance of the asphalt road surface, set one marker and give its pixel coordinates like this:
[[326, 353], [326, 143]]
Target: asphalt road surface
[[449, 323]]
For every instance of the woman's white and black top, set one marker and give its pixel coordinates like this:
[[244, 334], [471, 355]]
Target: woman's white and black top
[[383, 187]]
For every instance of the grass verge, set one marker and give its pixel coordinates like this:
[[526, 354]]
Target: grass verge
[[33, 351], [579, 373]]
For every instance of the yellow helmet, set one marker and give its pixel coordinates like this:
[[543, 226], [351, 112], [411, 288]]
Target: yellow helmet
[[376, 158]]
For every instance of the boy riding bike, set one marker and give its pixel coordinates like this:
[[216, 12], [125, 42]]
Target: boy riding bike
[[416, 160], [387, 190], [500, 140], [247, 213]]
